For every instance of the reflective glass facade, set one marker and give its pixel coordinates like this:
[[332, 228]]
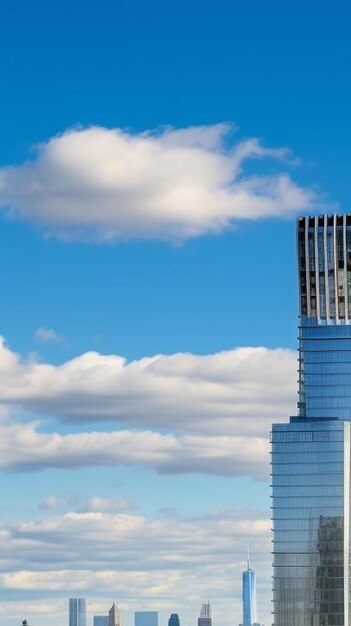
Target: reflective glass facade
[[325, 371], [311, 454], [249, 597], [114, 618], [100, 620], [205, 618], [174, 620], [146, 618], [310, 515], [77, 612]]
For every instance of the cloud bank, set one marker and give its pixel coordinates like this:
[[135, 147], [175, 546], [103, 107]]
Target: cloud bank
[[177, 413], [98, 540], [237, 392], [164, 561], [109, 184], [85, 505], [22, 447]]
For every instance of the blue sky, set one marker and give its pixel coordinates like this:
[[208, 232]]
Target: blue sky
[[276, 72]]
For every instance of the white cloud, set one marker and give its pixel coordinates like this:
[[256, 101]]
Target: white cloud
[[94, 540], [48, 335], [181, 413], [107, 184], [159, 562], [51, 503], [37, 611], [119, 505], [84, 504], [22, 447], [238, 392]]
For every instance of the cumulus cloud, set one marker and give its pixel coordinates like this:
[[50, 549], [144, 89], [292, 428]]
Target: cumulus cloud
[[180, 413], [165, 561], [239, 391], [48, 335], [98, 542], [22, 447], [84, 504], [108, 184], [108, 504]]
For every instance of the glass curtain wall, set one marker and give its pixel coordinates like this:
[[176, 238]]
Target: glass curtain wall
[[308, 503], [311, 454]]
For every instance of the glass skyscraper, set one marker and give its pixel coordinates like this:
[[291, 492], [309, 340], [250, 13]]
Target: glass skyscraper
[[146, 618], [174, 620], [249, 596], [100, 620], [77, 612], [114, 617], [205, 618], [311, 454]]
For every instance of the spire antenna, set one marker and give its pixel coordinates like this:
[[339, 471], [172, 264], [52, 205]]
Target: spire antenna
[[248, 555]]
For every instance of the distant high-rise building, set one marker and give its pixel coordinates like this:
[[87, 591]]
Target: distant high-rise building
[[174, 620], [100, 620], [205, 618], [114, 618], [249, 596], [77, 612], [146, 618]]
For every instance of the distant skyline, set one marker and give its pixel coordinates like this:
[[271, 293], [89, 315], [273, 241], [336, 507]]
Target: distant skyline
[[153, 159]]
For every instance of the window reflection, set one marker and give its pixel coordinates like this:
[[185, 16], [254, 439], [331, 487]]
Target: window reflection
[[308, 524]]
